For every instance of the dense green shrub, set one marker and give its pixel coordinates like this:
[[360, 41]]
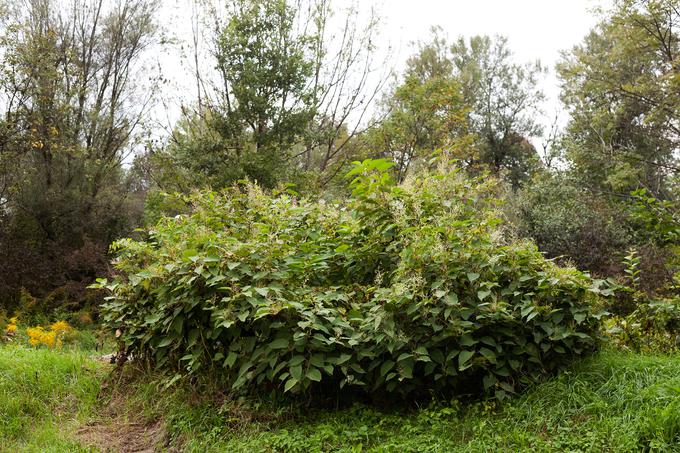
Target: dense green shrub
[[654, 326], [565, 220], [403, 288]]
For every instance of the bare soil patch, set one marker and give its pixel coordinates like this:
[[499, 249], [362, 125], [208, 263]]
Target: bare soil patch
[[121, 436]]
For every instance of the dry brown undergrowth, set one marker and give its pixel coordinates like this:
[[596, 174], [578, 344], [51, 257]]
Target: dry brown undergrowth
[[123, 436]]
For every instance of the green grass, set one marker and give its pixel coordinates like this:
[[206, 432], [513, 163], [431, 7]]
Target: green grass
[[44, 395], [613, 401]]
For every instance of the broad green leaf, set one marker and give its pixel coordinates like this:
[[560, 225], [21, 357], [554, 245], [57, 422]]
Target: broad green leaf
[[230, 360], [507, 387], [296, 372], [463, 359], [290, 383], [317, 360], [342, 359], [386, 367], [437, 355], [488, 354], [406, 369], [279, 343], [177, 324], [296, 360], [489, 380], [579, 317], [165, 342], [404, 356], [452, 299], [467, 340], [314, 374]]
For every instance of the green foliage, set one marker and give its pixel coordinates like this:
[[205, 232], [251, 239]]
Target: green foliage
[[662, 430], [424, 115], [503, 97], [79, 308], [491, 98], [294, 95], [613, 401], [567, 221], [656, 220], [70, 120], [264, 63], [401, 289], [619, 86], [263, 111], [159, 204], [621, 141], [631, 264], [203, 154], [653, 326]]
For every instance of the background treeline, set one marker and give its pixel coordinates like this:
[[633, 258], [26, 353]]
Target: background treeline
[[292, 92]]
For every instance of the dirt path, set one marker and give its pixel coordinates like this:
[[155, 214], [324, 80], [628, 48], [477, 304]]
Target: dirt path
[[126, 437]]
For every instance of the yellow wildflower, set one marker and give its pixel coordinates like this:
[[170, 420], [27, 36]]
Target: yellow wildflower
[[48, 339], [35, 335], [54, 337], [12, 326], [60, 327]]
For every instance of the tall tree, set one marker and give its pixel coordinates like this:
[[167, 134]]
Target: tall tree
[[70, 117], [621, 86], [292, 94], [502, 98], [264, 68]]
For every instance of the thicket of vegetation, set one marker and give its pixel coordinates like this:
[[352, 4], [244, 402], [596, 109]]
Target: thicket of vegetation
[[71, 108], [457, 259], [402, 288]]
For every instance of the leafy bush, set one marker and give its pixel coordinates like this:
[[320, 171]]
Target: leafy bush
[[401, 289], [656, 220], [643, 320], [567, 221], [654, 326]]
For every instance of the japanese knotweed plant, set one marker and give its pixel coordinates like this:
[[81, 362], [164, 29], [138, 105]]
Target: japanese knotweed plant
[[403, 288]]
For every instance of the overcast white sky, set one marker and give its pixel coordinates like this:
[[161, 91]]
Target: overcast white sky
[[536, 29]]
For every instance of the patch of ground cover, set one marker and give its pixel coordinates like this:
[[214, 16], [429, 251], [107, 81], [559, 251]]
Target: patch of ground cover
[[613, 401], [121, 436], [124, 421], [44, 396], [58, 401]]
